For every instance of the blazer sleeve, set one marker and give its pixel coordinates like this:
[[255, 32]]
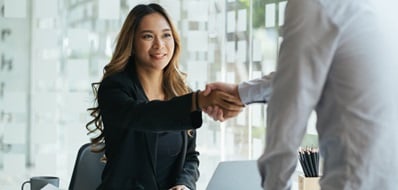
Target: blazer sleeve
[[190, 172], [123, 105]]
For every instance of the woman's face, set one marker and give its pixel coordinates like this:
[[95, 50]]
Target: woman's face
[[153, 42]]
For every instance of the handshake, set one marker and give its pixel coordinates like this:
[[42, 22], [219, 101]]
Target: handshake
[[220, 101]]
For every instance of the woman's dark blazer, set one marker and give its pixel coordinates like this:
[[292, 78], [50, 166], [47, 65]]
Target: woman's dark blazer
[[131, 123]]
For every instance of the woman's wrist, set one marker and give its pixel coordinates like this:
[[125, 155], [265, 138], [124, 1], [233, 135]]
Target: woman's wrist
[[197, 105]]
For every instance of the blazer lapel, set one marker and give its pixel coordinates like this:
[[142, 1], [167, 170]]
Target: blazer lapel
[[152, 143], [185, 143]]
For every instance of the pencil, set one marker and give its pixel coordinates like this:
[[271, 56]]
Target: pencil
[[309, 161], [304, 164]]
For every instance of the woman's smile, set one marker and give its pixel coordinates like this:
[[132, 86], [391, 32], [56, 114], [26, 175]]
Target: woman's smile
[[158, 55]]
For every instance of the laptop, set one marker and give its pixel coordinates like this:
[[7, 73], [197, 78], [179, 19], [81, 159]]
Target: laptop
[[236, 175]]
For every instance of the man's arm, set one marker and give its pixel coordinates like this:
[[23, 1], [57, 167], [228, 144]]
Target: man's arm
[[305, 57], [253, 91], [256, 90]]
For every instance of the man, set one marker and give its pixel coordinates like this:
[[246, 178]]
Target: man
[[337, 59]]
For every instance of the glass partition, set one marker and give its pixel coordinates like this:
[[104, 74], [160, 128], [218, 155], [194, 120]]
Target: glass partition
[[52, 50]]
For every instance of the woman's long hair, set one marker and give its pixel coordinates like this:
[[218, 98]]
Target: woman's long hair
[[174, 81]]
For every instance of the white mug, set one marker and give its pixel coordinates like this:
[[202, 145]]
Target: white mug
[[38, 182]]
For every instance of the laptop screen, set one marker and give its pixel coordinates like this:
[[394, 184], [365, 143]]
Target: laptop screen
[[236, 175]]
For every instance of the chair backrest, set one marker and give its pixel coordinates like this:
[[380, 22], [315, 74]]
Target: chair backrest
[[87, 170]]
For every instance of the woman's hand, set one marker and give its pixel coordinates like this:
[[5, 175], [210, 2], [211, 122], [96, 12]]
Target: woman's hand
[[220, 105], [215, 112]]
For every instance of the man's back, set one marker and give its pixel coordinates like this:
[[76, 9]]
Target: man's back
[[357, 118], [337, 58]]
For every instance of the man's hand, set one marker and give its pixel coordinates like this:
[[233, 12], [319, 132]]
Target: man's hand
[[225, 87], [215, 112]]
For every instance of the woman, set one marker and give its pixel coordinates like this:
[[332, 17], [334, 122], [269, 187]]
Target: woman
[[148, 113]]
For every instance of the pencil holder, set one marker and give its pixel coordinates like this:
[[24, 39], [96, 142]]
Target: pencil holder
[[308, 183]]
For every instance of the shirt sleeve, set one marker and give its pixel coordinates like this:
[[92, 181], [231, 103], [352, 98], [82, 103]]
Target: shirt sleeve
[[256, 90], [306, 53]]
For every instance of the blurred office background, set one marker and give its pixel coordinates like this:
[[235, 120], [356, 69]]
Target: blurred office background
[[52, 50]]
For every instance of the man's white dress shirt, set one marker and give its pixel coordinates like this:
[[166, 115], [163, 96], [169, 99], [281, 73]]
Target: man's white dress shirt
[[339, 58]]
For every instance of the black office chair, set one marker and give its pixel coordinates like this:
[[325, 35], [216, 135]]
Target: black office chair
[[87, 170]]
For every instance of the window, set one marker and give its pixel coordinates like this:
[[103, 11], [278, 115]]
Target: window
[[52, 50]]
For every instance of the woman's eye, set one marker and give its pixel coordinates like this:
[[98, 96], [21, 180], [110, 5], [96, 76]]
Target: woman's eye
[[147, 36], [168, 35]]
